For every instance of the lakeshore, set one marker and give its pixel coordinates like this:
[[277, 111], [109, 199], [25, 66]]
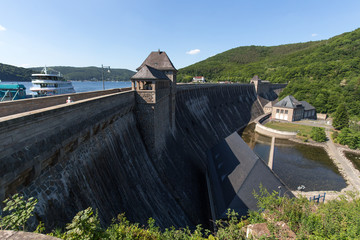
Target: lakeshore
[[336, 153]]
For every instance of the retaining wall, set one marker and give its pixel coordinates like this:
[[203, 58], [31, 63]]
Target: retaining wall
[[259, 128]]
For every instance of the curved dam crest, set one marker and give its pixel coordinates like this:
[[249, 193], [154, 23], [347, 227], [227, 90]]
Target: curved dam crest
[[100, 159]]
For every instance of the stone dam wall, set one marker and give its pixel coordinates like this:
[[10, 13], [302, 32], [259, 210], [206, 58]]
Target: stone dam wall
[[205, 114], [91, 153]]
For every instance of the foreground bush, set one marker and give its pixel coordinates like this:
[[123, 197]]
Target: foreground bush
[[336, 219], [16, 213]]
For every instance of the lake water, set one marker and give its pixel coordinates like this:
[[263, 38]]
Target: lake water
[[297, 164], [354, 158], [84, 86]]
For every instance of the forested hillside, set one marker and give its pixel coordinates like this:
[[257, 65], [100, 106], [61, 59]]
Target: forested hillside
[[324, 73], [92, 73], [12, 73]]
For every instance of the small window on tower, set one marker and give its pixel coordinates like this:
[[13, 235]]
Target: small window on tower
[[148, 86]]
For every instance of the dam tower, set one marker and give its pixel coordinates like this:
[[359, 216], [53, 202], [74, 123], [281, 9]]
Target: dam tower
[[155, 86]]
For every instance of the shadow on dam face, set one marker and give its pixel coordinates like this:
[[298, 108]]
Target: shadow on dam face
[[107, 165]]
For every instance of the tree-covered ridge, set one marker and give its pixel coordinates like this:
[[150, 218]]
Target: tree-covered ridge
[[11, 73], [323, 73], [91, 73], [242, 63]]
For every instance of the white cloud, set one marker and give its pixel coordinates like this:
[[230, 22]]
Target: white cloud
[[2, 28], [193, 52], [314, 34]]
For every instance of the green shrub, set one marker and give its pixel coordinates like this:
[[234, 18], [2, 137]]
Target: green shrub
[[318, 134], [85, 225], [17, 212], [336, 219]]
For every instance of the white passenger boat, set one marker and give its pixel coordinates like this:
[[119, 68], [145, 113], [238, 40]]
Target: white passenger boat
[[47, 84]]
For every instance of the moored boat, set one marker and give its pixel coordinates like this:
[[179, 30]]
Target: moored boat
[[9, 92], [47, 84]]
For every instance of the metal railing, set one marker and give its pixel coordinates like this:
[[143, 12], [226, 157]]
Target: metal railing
[[5, 95]]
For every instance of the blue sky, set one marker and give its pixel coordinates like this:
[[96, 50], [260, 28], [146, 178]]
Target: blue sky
[[121, 34]]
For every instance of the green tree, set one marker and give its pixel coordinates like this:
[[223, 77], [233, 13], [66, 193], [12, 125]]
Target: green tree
[[318, 134], [341, 117], [320, 102], [349, 137]]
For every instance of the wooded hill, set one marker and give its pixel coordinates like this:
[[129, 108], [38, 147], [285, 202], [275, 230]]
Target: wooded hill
[[10, 73], [17, 74], [324, 73], [92, 73]]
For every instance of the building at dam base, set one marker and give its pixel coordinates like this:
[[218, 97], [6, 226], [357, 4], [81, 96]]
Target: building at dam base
[[142, 151]]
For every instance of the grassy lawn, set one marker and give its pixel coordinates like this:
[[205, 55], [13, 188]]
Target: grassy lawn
[[290, 127]]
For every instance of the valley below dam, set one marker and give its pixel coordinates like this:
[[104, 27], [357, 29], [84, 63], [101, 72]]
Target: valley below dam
[[297, 164]]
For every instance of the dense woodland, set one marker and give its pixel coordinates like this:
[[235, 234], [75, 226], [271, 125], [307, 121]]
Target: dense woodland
[[324, 73], [10, 73]]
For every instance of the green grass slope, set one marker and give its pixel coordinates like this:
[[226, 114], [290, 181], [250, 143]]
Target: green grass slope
[[324, 73]]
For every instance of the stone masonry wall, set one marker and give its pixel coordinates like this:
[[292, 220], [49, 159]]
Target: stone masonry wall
[[30, 143], [205, 114], [111, 172], [31, 104], [93, 153]]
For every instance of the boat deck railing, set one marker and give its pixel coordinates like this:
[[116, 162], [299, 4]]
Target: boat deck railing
[[7, 96]]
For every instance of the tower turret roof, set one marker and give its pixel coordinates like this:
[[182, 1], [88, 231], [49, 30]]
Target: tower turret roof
[[158, 60], [148, 73]]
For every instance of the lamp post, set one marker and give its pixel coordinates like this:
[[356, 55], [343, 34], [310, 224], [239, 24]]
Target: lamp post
[[102, 74]]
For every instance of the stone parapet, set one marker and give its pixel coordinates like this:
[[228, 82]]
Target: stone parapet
[[31, 104], [18, 235]]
